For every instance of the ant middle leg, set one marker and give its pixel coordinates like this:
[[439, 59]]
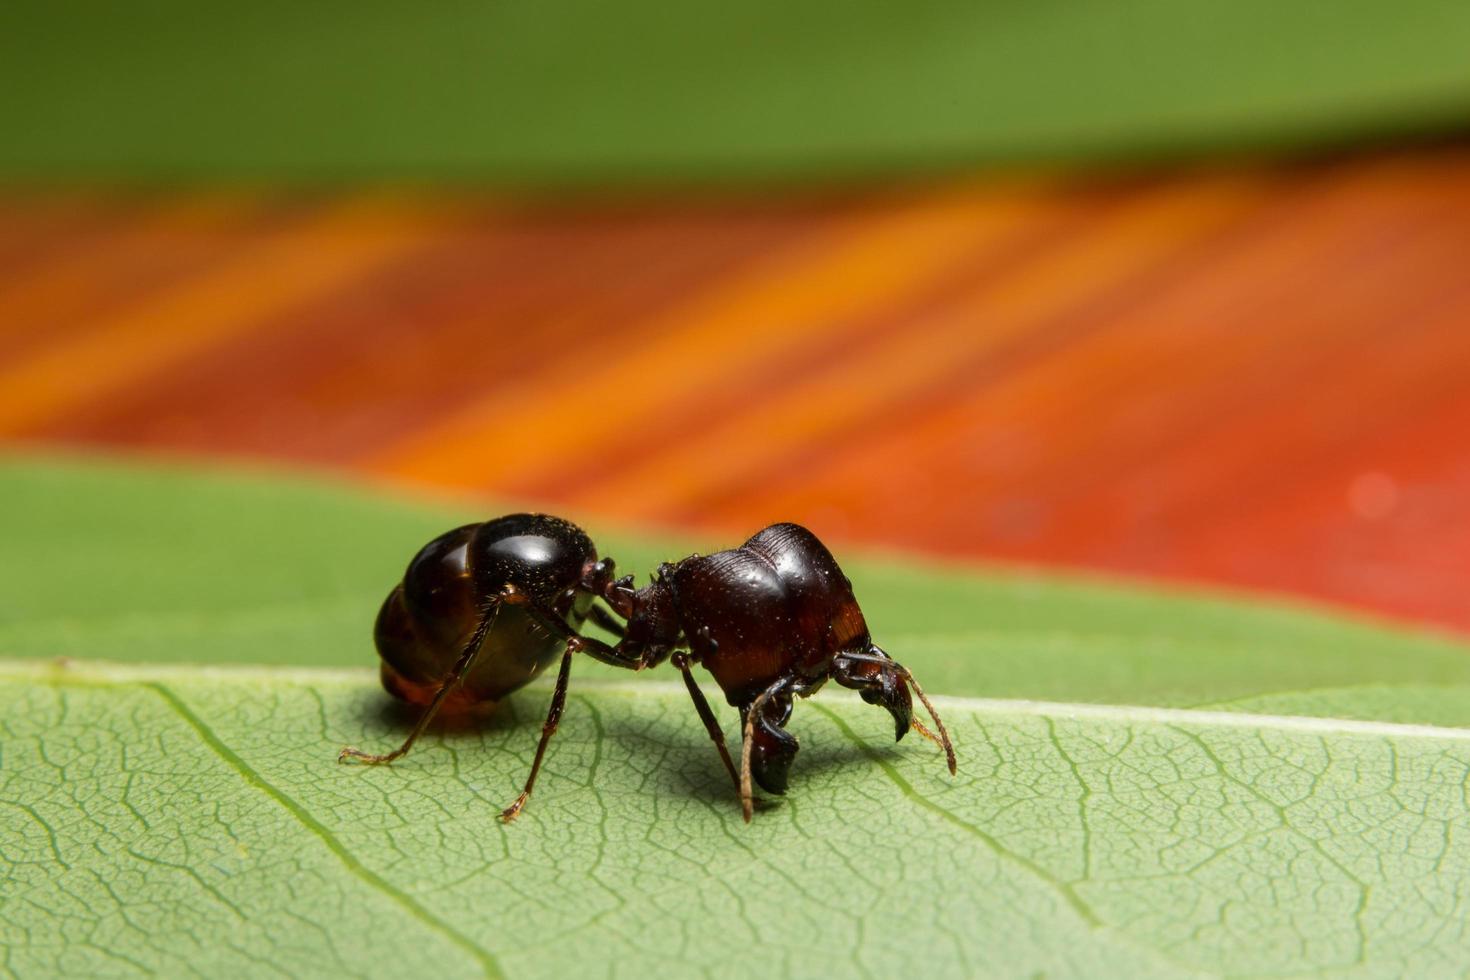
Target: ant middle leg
[[553, 719], [624, 654]]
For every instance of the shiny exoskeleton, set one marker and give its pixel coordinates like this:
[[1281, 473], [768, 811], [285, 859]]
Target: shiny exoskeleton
[[430, 617], [485, 608]]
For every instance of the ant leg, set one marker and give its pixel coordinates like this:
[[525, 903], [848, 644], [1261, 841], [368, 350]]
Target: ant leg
[[622, 655], [606, 620], [451, 683], [752, 713], [888, 686], [707, 716], [943, 739], [879, 684], [553, 718], [774, 748]]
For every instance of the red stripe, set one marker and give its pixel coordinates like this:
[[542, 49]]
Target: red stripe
[[499, 300], [685, 419]]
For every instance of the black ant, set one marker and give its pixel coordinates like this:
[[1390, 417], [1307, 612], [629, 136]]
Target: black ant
[[486, 607]]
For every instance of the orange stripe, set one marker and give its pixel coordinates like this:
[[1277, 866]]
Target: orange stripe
[[1246, 310], [117, 261], [1200, 412], [1001, 245], [486, 303], [776, 427], [1269, 361], [1026, 316], [1062, 409], [125, 347], [33, 228], [723, 331]]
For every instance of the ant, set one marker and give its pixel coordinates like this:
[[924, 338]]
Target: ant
[[486, 607]]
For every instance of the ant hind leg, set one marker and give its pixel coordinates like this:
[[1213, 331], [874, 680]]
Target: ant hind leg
[[451, 683]]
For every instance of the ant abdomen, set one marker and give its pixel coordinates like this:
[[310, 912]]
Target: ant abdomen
[[432, 614]]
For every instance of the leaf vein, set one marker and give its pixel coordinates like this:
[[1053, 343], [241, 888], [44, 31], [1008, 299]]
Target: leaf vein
[[1065, 890], [486, 960]]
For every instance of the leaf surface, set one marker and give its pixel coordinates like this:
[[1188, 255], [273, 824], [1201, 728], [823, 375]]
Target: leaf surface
[[1176, 816], [184, 820], [169, 564]]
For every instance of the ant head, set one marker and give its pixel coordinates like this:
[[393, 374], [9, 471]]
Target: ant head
[[597, 577], [540, 554], [879, 680], [653, 619]]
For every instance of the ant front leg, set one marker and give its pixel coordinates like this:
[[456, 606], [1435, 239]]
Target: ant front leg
[[451, 682], [575, 642], [707, 716], [766, 748], [884, 681], [553, 718], [625, 654], [601, 617]]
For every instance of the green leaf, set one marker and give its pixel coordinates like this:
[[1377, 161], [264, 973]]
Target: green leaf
[[185, 820], [167, 564], [580, 91], [189, 817]]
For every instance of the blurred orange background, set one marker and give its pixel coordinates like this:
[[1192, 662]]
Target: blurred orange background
[[1250, 374]]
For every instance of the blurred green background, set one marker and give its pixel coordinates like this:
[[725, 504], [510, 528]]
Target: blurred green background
[[579, 91]]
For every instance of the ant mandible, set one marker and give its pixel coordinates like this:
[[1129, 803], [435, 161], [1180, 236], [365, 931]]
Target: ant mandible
[[486, 607]]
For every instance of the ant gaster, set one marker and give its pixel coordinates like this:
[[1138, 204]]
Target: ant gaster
[[486, 607]]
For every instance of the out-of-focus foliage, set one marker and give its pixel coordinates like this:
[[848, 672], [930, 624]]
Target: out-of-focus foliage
[[585, 92], [166, 564]]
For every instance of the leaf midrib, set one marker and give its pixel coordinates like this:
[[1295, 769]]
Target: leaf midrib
[[102, 673], [314, 826]]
